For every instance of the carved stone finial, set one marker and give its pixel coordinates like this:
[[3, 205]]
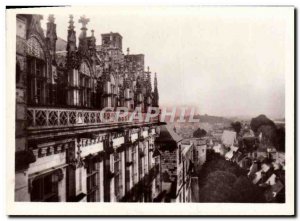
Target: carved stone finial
[[128, 50], [148, 69], [83, 20], [51, 18], [92, 31], [71, 22]]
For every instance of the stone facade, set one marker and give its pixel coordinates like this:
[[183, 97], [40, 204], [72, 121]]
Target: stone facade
[[64, 150]]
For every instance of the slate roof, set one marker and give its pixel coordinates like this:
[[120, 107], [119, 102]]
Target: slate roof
[[167, 134]]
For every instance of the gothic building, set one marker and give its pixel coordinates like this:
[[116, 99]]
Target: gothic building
[[64, 150]]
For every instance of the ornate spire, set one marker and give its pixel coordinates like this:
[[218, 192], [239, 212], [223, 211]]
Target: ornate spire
[[51, 36], [148, 81], [155, 93], [71, 45], [71, 23], [83, 43], [84, 21], [51, 18], [92, 45]]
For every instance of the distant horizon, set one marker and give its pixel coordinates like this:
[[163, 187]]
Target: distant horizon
[[241, 116]]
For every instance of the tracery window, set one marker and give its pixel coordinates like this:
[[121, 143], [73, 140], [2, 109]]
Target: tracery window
[[34, 48]]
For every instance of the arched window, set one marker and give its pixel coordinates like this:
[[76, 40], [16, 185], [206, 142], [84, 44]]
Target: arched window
[[85, 84], [37, 79]]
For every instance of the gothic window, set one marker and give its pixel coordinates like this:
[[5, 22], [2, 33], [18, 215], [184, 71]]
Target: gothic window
[[37, 81], [92, 181], [85, 84], [45, 188], [34, 48]]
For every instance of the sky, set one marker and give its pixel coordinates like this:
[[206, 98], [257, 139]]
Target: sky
[[227, 62]]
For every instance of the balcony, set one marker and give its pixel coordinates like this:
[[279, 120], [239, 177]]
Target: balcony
[[39, 118]]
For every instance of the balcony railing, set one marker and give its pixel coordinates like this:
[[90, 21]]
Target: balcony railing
[[38, 117]]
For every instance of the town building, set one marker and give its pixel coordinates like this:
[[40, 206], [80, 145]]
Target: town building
[[65, 150], [177, 165]]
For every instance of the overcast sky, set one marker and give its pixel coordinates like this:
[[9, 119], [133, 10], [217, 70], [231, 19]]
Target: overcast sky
[[225, 62]]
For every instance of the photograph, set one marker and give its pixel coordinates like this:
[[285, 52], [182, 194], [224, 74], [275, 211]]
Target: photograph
[[121, 108]]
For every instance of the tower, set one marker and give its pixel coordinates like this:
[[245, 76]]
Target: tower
[[51, 37], [83, 41], [155, 93], [72, 65]]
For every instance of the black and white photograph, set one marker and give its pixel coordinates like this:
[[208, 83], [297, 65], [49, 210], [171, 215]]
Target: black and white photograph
[[150, 110]]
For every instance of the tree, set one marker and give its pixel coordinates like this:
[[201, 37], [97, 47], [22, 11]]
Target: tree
[[244, 191], [259, 121], [269, 134], [249, 144], [237, 126], [199, 133], [280, 139], [218, 187]]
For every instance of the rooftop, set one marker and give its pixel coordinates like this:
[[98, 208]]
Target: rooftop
[[167, 134]]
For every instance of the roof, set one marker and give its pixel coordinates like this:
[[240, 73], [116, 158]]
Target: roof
[[186, 142], [228, 137], [167, 134], [111, 33], [186, 148]]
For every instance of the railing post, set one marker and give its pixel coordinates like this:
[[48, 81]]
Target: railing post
[[68, 117], [76, 117], [58, 117], [47, 117], [33, 117]]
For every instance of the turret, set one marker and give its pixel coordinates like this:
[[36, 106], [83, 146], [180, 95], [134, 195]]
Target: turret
[[155, 93], [148, 86], [72, 65], [83, 48], [71, 45], [51, 37]]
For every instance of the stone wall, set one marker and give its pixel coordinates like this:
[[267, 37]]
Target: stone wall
[[169, 165]]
